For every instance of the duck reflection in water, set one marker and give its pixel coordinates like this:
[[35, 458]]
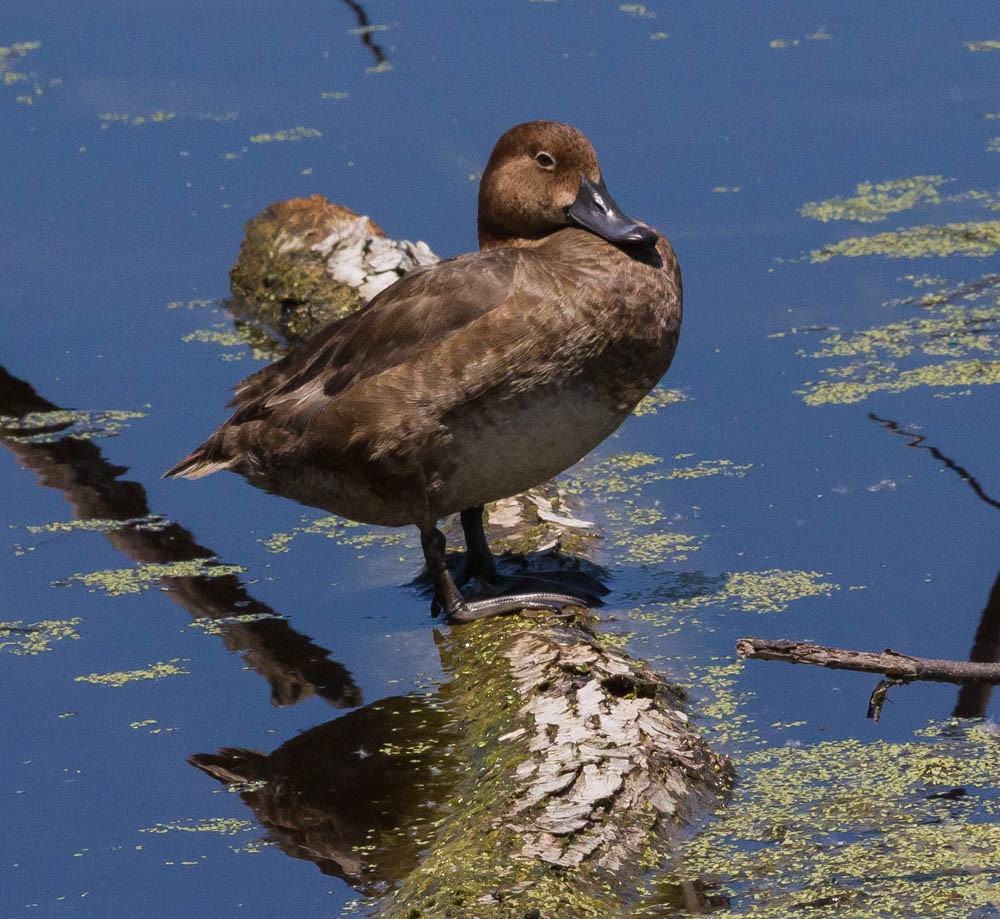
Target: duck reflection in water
[[476, 378], [343, 797]]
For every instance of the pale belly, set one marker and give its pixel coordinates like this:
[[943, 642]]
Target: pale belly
[[497, 453]]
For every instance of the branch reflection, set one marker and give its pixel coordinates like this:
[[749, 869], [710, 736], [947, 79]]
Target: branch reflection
[[973, 698], [36, 432]]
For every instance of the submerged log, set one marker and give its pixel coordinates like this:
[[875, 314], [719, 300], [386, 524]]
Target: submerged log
[[549, 773]]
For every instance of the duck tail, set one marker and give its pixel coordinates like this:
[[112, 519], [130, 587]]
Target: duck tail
[[201, 462]]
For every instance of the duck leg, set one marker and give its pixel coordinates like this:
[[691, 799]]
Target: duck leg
[[447, 596], [479, 563]]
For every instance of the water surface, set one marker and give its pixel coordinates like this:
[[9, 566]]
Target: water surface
[[789, 152]]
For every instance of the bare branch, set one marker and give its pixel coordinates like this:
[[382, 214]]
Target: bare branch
[[891, 663]]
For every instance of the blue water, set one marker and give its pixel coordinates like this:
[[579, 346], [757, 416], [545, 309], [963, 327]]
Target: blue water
[[108, 220]]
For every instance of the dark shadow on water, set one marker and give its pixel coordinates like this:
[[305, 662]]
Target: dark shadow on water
[[917, 441], [548, 570], [357, 796], [365, 29], [973, 698], [43, 441]]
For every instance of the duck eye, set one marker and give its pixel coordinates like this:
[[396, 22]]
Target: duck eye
[[545, 160]]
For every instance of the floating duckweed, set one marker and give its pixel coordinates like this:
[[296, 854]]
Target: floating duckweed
[[979, 239], [118, 581], [100, 525], [358, 535], [291, 135], [883, 378], [722, 704], [645, 516], [213, 626], [191, 304], [710, 467], [964, 336], [35, 637], [224, 337], [658, 548], [157, 117], [876, 201], [47, 427], [637, 9], [368, 29], [818, 35], [26, 81], [659, 398], [627, 473], [224, 826], [118, 678], [768, 591], [241, 341], [952, 331], [864, 829]]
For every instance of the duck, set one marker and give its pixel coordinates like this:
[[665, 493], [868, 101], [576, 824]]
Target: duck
[[475, 378]]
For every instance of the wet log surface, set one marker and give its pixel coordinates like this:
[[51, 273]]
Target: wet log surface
[[578, 767]]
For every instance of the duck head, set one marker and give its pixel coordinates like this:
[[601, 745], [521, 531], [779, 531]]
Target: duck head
[[544, 176]]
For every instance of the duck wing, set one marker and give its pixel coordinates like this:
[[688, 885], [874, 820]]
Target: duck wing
[[416, 314]]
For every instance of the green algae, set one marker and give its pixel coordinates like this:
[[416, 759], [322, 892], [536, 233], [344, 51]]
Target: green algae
[[658, 548], [659, 398], [818, 35], [770, 591], [223, 826], [47, 427], [344, 532], [885, 378], [159, 116], [628, 473], [157, 671], [191, 304], [873, 202], [952, 343], [119, 581], [861, 829], [974, 239], [637, 9], [289, 135], [26, 84], [31, 638], [235, 342], [100, 525]]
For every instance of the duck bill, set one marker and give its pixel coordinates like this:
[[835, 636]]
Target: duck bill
[[595, 210]]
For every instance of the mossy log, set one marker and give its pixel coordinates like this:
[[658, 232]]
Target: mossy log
[[305, 261]]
